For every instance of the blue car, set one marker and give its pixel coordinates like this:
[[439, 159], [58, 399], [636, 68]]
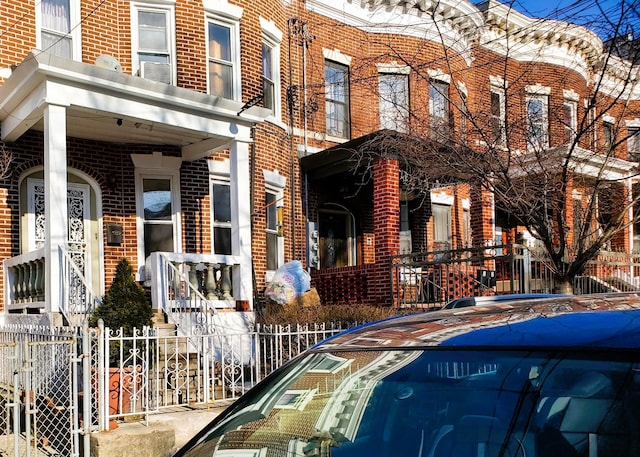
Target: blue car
[[549, 377]]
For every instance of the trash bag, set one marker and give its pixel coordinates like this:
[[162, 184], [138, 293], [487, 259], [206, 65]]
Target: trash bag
[[289, 282]]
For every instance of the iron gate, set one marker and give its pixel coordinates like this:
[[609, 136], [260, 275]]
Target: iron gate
[[39, 414]]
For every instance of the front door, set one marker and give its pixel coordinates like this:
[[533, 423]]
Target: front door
[[335, 240], [78, 219]]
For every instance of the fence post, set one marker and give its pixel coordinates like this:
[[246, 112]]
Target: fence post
[[86, 388]]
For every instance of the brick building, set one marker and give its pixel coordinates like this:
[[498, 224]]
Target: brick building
[[209, 142]]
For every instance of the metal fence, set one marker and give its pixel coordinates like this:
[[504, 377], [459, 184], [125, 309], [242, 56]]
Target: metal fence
[[58, 386], [431, 279]]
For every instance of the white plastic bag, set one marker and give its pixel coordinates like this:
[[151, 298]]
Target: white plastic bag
[[289, 282]]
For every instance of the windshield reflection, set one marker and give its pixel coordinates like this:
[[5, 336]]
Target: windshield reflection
[[436, 403]]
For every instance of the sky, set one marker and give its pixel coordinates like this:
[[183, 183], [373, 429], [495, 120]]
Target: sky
[[592, 14]]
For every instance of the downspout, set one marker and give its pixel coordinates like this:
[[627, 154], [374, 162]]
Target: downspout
[[252, 193]]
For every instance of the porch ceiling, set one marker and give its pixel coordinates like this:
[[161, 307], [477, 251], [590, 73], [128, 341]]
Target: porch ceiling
[[105, 105]]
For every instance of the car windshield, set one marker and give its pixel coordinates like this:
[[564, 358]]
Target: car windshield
[[433, 403]]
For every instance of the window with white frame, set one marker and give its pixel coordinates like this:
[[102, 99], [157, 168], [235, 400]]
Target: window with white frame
[[394, 101], [58, 23], [497, 115], [337, 99], [152, 29], [439, 109], [569, 114], [633, 142], [274, 194], [223, 58], [221, 216], [607, 135], [537, 118], [271, 38], [441, 226]]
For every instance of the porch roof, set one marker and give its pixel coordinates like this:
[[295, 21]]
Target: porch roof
[[107, 105]]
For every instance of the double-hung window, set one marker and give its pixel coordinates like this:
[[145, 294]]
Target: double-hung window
[[570, 115], [273, 204], [223, 59], [633, 143], [153, 42], [221, 217], [441, 226], [337, 99], [497, 115], [59, 27], [439, 109], [607, 133], [394, 101], [537, 118], [271, 38]]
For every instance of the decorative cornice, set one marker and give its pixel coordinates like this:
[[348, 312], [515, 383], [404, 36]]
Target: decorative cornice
[[452, 23]]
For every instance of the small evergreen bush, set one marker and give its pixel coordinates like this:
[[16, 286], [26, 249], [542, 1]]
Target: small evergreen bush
[[125, 304]]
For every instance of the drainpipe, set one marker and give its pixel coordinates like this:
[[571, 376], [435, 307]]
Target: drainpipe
[[252, 194]]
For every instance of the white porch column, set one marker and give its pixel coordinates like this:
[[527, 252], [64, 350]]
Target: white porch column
[[241, 232], [55, 196]]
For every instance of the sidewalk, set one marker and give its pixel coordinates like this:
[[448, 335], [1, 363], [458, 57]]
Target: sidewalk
[[162, 436]]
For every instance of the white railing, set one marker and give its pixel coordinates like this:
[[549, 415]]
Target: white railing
[[24, 282], [78, 298]]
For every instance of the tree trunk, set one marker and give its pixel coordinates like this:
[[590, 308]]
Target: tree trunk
[[563, 286]]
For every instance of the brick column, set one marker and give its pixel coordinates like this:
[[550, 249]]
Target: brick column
[[386, 226]]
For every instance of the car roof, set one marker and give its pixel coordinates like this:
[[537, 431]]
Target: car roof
[[471, 301], [597, 321]]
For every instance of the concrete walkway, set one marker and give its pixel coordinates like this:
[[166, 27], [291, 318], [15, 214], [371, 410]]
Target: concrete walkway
[[161, 436]]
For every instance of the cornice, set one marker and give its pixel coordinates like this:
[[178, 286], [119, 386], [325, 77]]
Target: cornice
[[452, 23], [521, 38]]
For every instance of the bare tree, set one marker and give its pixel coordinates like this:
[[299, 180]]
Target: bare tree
[[558, 166]]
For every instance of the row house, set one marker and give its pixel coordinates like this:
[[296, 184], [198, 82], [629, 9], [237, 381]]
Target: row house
[[209, 142]]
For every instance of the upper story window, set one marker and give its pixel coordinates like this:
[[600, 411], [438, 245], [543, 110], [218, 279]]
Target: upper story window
[[394, 97], [337, 99], [633, 142], [607, 135], [271, 38], [59, 27], [497, 115], [570, 115], [537, 117], [153, 42], [439, 109]]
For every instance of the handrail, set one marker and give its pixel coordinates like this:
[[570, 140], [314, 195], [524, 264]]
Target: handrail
[[75, 285]]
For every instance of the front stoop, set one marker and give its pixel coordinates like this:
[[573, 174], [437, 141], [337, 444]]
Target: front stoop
[[135, 440]]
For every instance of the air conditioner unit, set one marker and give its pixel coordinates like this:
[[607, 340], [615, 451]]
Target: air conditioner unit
[[157, 71]]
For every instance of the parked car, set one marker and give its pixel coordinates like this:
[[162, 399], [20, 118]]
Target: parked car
[[473, 301], [548, 377]]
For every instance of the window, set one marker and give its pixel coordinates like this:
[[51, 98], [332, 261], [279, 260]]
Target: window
[[221, 196], [607, 133], [569, 112], [537, 122], [59, 30], [271, 204], [337, 99], [439, 109], [221, 64], [441, 226], [633, 143], [497, 116], [268, 84], [394, 101], [271, 38], [153, 43]]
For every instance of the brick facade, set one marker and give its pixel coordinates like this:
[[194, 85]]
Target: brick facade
[[276, 146]]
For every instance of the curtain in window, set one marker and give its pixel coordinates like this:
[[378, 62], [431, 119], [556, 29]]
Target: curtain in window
[[56, 15]]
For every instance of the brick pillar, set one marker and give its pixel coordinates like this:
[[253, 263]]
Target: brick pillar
[[386, 225]]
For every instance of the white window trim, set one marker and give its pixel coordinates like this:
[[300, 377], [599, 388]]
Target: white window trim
[[573, 104], [336, 56], [230, 19], [275, 183], [157, 166], [168, 6], [631, 140], [75, 24], [272, 37]]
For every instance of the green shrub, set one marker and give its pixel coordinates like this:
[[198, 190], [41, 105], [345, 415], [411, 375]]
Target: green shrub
[[125, 304]]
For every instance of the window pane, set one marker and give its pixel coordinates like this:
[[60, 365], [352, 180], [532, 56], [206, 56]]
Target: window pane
[[157, 199], [270, 203], [221, 80], [441, 224], [221, 203], [634, 143], [267, 62], [394, 101], [222, 240], [336, 98], [56, 15], [158, 237], [272, 251], [57, 45], [152, 33], [219, 42]]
